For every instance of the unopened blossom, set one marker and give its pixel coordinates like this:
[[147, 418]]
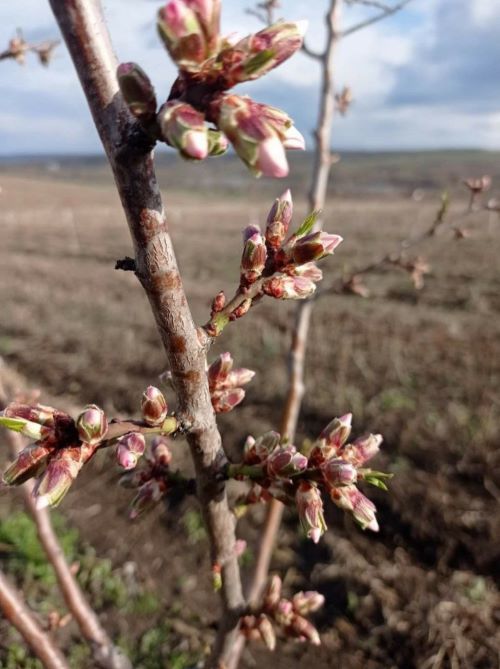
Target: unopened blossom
[[314, 246], [258, 450], [147, 497], [362, 449], [154, 406], [160, 451], [92, 424], [287, 287], [285, 462], [363, 510], [310, 509], [62, 469], [226, 400], [307, 602], [254, 257], [278, 220], [225, 383], [339, 472], [180, 28], [332, 437], [184, 128], [129, 449]]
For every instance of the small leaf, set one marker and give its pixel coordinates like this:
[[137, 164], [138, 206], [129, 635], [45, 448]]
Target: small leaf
[[308, 223], [14, 424], [372, 480]]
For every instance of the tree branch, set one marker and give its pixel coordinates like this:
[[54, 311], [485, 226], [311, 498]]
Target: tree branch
[[129, 153], [20, 617], [388, 11]]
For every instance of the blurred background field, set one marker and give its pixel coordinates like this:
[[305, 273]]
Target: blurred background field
[[422, 368]]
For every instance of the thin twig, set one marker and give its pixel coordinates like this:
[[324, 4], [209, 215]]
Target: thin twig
[[19, 616], [388, 11], [130, 156]]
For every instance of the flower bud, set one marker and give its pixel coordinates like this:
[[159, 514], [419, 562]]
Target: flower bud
[[256, 131], [92, 425], [253, 259], [38, 413], [255, 55], [293, 140], [337, 432], [286, 462], [148, 496], [225, 400], [314, 246], [154, 406], [286, 287], [305, 630], [283, 612], [363, 449], [162, 455], [272, 594], [63, 467], [242, 309], [137, 91], [278, 220], [180, 30], [208, 14], [307, 602], [338, 472], [266, 629], [239, 377], [351, 499], [308, 271], [184, 128], [218, 303], [310, 510], [266, 444], [218, 371], [129, 449], [28, 464]]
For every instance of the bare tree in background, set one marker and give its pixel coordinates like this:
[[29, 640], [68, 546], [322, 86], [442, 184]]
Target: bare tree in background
[[18, 47]]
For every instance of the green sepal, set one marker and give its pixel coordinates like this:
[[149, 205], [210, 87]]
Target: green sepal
[[308, 223]]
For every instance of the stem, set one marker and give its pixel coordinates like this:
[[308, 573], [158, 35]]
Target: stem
[[387, 11], [106, 655], [130, 157], [317, 195], [20, 617]]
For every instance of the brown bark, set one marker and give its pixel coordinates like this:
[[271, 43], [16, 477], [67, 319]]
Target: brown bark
[[19, 616], [129, 153]]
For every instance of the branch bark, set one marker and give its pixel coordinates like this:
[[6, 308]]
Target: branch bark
[[130, 155], [20, 617], [388, 11]]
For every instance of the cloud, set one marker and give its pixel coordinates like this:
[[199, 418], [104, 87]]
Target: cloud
[[424, 78]]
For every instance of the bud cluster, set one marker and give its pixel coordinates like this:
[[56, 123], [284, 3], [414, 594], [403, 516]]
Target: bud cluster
[[274, 263], [151, 482], [332, 465], [225, 383], [63, 445], [288, 616], [209, 66], [18, 47]]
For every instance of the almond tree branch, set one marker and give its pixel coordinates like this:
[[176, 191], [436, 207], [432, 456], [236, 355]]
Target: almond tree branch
[[387, 11], [130, 155], [106, 655], [295, 392], [19, 616]]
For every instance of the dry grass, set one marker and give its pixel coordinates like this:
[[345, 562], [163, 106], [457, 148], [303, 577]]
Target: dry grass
[[423, 369]]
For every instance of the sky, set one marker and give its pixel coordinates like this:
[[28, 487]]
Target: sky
[[426, 78]]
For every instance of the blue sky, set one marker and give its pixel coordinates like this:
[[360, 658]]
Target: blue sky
[[426, 78]]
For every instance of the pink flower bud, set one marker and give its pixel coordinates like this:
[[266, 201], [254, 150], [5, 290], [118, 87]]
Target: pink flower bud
[[154, 406], [239, 377], [337, 432], [309, 271], [180, 29], [278, 220], [286, 287], [162, 455], [184, 128], [148, 496], [225, 400], [253, 259], [208, 13], [272, 594], [218, 302], [294, 140], [307, 602], [266, 629], [137, 90], [38, 413], [92, 424], [219, 369], [129, 449], [255, 55], [29, 463], [338, 472], [351, 499], [63, 467], [271, 158], [305, 630], [283, 612], [285, 462], [363, 449], [314, 246], [240, 547], [310, 510]]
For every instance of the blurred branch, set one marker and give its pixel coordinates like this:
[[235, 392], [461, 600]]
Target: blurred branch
[[130, 154], [18, 47], [387, 11], [20, 617], [106, 655]]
